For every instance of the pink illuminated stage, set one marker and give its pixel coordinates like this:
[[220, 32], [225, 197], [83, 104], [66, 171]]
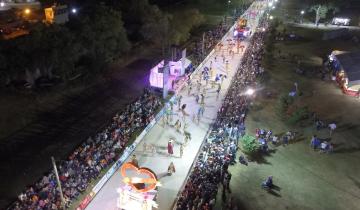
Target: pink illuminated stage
[[174, 78]]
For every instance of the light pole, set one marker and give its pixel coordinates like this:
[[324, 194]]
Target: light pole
[[249, 92], [228, 5], [302, 16], [63, 203]]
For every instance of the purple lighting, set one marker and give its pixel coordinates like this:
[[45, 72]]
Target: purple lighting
[[156, 77]]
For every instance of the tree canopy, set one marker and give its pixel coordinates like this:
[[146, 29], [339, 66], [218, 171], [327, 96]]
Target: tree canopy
[[95, 37], [59, 50], [322, 8]]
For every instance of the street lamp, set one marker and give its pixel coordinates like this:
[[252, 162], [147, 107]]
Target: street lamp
[[27, 11], [228, 5], [250, 92], [271, 17], [302, 16], [2, 4], [74, 10]]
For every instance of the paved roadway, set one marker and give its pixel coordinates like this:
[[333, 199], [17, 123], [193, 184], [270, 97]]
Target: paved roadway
[[159, 136]]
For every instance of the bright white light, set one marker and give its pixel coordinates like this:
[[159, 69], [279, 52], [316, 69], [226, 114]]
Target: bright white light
[[341, 21], [276, 0], [270, 4], [302, 12], [236, 33], [271, 17], [27, 11], [2, 4], [273, 7], [263, 29], [74, 10], [250, 91], [229, 1]]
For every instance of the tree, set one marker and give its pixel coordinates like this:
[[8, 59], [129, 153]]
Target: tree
[[322, 8], [183, 22], [102, 37], [156, 29], [250, 144]]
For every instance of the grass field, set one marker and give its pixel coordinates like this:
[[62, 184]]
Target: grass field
[[307, 178]]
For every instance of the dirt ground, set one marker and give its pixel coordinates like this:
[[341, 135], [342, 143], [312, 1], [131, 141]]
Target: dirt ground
[[307, 179]]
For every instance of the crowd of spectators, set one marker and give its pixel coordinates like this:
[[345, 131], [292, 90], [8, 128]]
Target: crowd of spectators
[[219, 151], [88, 160], [210, 40]]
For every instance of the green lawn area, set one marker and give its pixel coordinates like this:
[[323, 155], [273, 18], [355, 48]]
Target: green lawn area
[[307, 178]]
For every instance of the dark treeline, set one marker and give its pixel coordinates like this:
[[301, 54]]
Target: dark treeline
[[99, 34]]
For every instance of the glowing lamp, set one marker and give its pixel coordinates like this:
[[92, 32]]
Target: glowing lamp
[[250, 91]]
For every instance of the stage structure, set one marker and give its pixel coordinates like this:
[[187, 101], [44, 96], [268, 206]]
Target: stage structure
[[168, 76], [139, 191]]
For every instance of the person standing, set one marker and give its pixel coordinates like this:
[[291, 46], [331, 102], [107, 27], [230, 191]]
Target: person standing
[[181, 150], [227, 67], [197, 98], [170, 147], [198, 115], [177, 125], [171, 105], [179, 101], [202, 109], [190, 88], [202, 100], [134, 161], [296, 88], [211, 73], [184, 114], [332, 127], [171, 169], [218, 91], [226, 182], [186, 140], [198, 86]]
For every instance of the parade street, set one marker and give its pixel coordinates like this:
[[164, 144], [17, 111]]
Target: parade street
[[154, 155]]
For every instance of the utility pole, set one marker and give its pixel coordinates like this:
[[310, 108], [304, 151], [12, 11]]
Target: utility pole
[[203, 46], [59, 183], [166, 71]]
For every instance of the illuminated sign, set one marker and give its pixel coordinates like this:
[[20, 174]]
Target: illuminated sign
[[144, 179]]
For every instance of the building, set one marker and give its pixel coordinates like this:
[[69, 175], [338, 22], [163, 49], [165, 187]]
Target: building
[[19, 4], [346, 68], [58, 14]]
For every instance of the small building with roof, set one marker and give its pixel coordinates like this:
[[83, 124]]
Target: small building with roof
[[346, 68]]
